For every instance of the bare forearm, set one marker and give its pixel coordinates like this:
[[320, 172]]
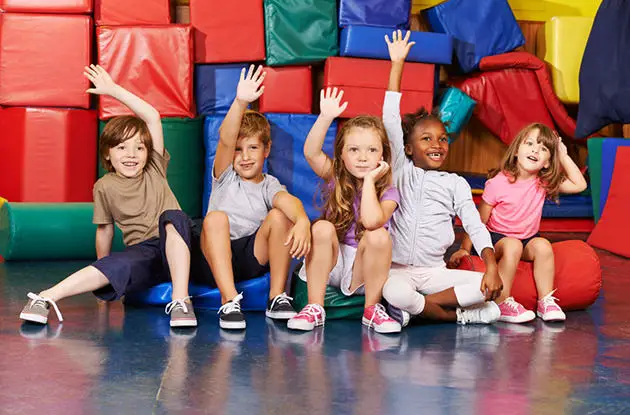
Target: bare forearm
[[104, 236], [137, 105], [395, 76], [466, 243], [291, 206], [372, 215], [489, 259], [573, 172], [316, 137]]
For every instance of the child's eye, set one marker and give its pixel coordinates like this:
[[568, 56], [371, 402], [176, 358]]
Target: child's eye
[[545, 149], [353, 149], [373, 150], [426, 138], [444, 139]]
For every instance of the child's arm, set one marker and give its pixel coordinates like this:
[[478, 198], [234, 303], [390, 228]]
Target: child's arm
[[249, 89], [300, 233], [398, 50], [574, 182], [330, 108], [374, 213], [484, 213], [104, 237], [104, 85]]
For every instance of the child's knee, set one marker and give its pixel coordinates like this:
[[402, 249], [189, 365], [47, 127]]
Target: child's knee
[[377, 239], [512, 248], [396, 292], [541, 247], [323, 231], [216, 221], [278, 218]]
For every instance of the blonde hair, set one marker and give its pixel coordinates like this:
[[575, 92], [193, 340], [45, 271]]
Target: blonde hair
[[255, 124]]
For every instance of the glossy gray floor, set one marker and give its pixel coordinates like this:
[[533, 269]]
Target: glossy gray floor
[[117, 360]]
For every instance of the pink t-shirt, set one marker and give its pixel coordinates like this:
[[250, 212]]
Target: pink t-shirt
[[390, 193], [517, 207]]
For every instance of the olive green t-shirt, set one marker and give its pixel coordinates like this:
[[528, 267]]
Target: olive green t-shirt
[[135, 204]]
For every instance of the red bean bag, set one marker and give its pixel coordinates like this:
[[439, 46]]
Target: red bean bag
[[578, 276]]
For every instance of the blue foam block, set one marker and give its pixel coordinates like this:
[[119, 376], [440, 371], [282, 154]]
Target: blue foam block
[[609, 153], [255, 295], [215, 87], [386, 13], [369, 42], [287, 162], [456, 108], [479, 28]]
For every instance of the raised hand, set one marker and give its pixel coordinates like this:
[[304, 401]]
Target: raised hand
[[378, 172], [399, 46], [330, 103], [562, 149], [103, 83], [249, 87]]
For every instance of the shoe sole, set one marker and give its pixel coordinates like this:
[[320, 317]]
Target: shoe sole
[[34, 318], [366, 323], [232, 325], [183, 323], [516, 320], [550, 320], [302, 327], [280, 315]]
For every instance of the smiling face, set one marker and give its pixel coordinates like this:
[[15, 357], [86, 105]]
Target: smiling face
[[249, 158], [428, 144], [532, 155], [129, 157], [362, 151]]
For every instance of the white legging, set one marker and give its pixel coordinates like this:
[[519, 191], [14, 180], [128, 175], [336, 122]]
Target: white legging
[[407, 284]]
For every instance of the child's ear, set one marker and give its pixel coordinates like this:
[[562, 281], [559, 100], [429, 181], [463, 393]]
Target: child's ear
[[408, 149], [268, 149]]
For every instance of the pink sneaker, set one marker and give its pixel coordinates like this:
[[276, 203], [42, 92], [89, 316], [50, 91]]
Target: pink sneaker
[[377, 318], [548, 310], [513, 312], [311, 316]]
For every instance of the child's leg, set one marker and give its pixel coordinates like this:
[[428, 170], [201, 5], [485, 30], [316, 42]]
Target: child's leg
[[321, 260], [85, 280], [452, 287], [216, 247], [371, 265], [175, 235], [269, 248], [540, 252], [508, 252]]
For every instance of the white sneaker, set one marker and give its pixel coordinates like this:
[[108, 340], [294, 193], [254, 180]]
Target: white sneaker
[[486, 313]]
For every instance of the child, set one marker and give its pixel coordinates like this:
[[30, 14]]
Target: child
[[351, 245], [137, 198], [533, 168], [253, 225], [422, 229]]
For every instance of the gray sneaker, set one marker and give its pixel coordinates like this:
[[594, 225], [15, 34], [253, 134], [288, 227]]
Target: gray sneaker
[[485, 313], [36, 310], [182, 313]]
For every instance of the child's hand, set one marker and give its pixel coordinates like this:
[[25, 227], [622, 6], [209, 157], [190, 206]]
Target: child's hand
[[399, 47], [378, 172], [456, 258], [103, 83], [491, 284], [249, 89], [300, 234], [330, 103], [562, 149]]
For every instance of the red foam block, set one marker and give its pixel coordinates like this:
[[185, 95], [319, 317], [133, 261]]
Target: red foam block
[[578, 277], [46, 6], [153, 62], [364, 82], [42, 59], [287, 89], [132, 12], [47, 154], [228, 31]]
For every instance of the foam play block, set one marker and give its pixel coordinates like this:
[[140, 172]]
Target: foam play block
[[153, 62], [300, 31], [136, 12], [215, 87], [210, 141], [47, 231], [610, 233], [578, 277], [288, 89], [385, 13], [42, 59], [255, 295], [365, 93], [570, 206], [368, 42], [46, 6], [287, 162], [594, 161], [479, 28], [47, 154], [609, 155], [565, 39], [183, 138], [456, 108], [228, 31]]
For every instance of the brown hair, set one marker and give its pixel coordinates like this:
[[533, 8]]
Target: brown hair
[[549, 178], [255, 124], [121, 129], [410, 121], [340, 191]]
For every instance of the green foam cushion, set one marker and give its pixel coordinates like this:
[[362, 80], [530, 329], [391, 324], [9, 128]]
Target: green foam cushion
[[595, 172]]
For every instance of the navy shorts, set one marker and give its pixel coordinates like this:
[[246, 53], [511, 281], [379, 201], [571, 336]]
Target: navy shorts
[[245, 266], [496, 237], [143, 265]]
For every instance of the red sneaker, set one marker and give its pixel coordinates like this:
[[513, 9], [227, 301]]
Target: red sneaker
[[377, 318]]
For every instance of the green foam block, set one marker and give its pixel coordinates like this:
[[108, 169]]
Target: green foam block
[[595, 172], [44, 231]]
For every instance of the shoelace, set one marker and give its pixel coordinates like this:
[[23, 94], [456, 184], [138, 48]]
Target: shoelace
[[549, 299], [511, 302], [37, 301], [181, 303], [232, 306], [281, 299], [313, 310], [379, 311]]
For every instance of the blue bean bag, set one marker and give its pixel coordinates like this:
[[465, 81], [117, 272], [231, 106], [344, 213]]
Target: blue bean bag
[[287, 162], [368, 42], [609, 154], [456, 108], [385, 13], [479, 28], [215, 87]]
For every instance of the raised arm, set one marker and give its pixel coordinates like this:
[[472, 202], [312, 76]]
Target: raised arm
[[249, 89], [398, 50], [104, 85], [574, 182], [330, 108]]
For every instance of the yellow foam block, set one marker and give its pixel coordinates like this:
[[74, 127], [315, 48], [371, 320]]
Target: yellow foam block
[[2, 200], [565, 40]]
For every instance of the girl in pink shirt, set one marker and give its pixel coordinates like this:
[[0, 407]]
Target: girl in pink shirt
[[535, 167]]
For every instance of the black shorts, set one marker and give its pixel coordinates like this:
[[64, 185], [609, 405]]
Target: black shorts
[[496, 237]]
